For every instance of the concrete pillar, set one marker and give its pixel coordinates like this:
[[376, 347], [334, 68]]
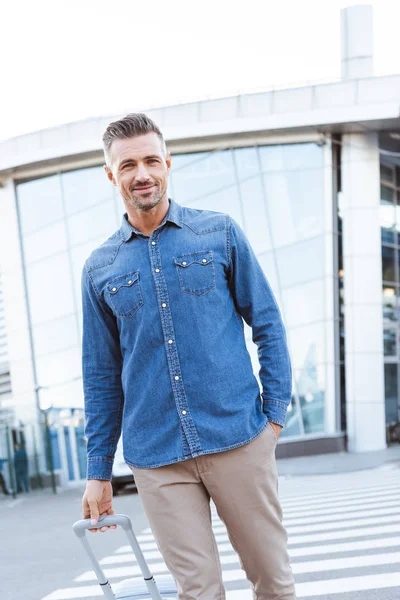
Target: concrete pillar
[[365, 400], [357, 41]]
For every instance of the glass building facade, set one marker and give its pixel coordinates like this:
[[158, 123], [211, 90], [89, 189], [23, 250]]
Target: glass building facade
[[390, 236], [278, 196]]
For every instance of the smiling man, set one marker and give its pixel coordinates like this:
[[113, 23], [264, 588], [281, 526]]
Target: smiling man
[[165, 359]]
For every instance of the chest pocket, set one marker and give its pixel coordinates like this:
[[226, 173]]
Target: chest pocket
[[196, 272], [124, 295]]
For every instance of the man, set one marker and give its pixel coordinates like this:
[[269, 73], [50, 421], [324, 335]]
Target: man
[[3, 484], [164, 356], [21, 469]]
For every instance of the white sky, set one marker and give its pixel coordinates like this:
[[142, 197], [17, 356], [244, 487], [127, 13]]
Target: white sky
[[65, 60]]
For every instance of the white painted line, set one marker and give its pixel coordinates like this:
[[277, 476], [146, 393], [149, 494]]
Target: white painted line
[[340, 525], [337, 535], [332, 497], [348, 584], [83, 591], [352, 562], [343, 507], [344, 517], [346, 547]]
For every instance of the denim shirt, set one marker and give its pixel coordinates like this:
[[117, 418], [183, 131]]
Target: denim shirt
[[164, 352]]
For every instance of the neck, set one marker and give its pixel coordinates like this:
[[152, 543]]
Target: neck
[[147, 221]]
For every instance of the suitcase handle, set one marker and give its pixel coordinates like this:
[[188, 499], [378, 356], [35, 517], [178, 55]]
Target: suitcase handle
[[80, 528]]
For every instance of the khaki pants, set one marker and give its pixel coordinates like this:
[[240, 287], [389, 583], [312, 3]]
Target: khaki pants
[[243, 483]]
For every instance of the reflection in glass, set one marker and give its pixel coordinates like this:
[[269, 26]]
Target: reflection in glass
[[307, 343], [100, 220], [85, 188], [50, 289], [387, 215], [255, 216], [45, 242], [389, 342], [225, 200], [295, 202], [292, 425], [390, 312], [299, 262], [246, 160], [304, 304], [40, 203], [388, 268], [392, 412], [310, 388], [210, 172]]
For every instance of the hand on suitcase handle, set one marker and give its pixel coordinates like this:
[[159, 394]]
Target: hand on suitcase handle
[[96, 502], [80, 527]]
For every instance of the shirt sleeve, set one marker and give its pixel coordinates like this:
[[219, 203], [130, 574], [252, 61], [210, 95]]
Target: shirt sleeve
[[256, 303], [102, 385]]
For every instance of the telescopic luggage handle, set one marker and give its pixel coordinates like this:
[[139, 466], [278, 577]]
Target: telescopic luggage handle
[[80, 528]]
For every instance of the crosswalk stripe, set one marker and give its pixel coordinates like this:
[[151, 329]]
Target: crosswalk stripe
[[338, 525], [343, 507], [337, 535]]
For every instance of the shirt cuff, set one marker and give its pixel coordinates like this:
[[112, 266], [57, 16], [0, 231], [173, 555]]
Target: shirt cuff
[[275, 411], [99, 468]]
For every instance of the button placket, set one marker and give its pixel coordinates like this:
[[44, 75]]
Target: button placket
[[172, 355]]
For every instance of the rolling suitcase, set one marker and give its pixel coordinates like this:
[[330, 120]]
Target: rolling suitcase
[[129, 589]]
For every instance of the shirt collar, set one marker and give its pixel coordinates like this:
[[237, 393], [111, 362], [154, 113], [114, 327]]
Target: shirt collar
[[173, 216]]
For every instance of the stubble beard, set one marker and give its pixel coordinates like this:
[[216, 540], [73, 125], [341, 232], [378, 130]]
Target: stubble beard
[[146, 204]]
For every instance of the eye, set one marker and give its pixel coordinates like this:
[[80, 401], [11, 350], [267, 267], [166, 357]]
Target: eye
[[152, 160]]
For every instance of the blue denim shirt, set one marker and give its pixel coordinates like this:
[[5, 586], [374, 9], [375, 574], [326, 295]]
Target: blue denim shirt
[[164, 352]]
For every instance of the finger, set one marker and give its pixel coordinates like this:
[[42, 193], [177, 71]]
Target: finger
[[94, 511]]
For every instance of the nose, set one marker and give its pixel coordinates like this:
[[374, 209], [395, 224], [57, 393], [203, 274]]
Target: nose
[[141, 173]]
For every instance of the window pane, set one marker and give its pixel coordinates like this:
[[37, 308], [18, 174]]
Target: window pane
[[101, 220], [55, 335], [386, 173], [50, 289], [301, 262], [292, 157], [387, 215], [389, 342], [45, 242], [390, 312], [295, 205], [246, 162], [311, 390], [391, 393], [388, 269], [59, 367], [304, 303], [39, 202], [211, 172], [307, 345], [85, 188], [226, 201], [255, 215]]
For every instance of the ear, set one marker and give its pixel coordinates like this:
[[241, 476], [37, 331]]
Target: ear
[[168, 160], [109, 174]]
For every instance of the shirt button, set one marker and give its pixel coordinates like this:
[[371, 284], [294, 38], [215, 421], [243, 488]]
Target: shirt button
[[176, 377], [157, 270], [170, 342], [204, 260], [153, 243], [184, 412], [114, 289], [130, 282], [163, 305], [184, 264]]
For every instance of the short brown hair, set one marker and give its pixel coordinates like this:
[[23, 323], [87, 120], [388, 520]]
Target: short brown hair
[[130, 126]]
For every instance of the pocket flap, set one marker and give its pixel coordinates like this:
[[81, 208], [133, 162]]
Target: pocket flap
[[200, 258], [125, 281]]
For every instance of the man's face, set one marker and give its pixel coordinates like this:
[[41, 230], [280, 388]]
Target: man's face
[[139, 168]]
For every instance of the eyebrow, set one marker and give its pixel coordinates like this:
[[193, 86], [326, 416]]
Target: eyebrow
[[129, 160]]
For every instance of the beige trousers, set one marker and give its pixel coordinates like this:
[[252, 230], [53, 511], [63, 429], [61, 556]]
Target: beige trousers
[[243, 483]]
